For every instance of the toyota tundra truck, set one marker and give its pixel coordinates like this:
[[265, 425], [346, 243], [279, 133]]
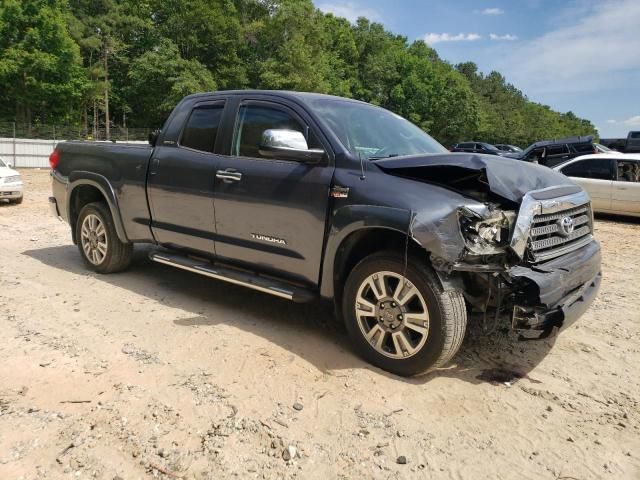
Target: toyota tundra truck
[[307, 197]]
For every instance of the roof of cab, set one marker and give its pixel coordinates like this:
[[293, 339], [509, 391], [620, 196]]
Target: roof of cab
[[304, 96]]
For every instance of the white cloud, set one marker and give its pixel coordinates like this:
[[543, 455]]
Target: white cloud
[[599, 50], [508, 37], [492, 11], [612, 121], [349, 10], [431, 38], [633, 121]]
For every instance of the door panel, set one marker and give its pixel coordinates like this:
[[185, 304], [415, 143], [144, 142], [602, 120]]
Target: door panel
[[599, 191], [595, 175], [269, 212], [181, 183], [181, 186], [625, 197]]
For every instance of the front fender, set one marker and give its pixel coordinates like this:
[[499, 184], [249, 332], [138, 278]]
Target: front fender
[[80, 178], [349, 219]]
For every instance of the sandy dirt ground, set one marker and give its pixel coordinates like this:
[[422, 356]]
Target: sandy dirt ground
[[159, 373]]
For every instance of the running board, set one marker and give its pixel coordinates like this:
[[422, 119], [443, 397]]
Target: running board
[[237, 277]]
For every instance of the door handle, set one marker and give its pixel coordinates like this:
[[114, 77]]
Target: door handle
[[229, 175], [155, 163]]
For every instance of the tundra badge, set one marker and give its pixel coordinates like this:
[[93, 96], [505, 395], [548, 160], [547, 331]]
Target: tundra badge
[[267, 238]]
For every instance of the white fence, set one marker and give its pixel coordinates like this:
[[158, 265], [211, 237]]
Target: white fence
[[26, 152], [29, 152]]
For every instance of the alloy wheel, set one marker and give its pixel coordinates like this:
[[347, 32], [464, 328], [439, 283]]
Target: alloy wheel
[[392, 314]]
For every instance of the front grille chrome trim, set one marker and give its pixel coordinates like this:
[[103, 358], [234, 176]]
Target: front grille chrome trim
[[533, 212]]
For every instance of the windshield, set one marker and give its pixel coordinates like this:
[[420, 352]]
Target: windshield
[[373, 132], [2, 164]]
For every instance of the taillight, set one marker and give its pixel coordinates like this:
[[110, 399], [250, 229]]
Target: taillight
[[54, 158]]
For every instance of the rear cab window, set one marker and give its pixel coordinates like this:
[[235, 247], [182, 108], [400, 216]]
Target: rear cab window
[[201, 130]]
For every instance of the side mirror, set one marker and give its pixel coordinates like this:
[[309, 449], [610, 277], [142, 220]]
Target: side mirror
[[288, 145], [153, 137], [9, 164]]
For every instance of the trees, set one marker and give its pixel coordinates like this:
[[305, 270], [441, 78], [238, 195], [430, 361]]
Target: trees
[[41, 76], [158, 79], [111, 63]]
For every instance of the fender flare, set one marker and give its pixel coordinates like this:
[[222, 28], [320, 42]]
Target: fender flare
[[81, 178], [353, 218]]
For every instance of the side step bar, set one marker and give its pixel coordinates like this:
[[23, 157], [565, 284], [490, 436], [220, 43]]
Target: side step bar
[[237, 277]]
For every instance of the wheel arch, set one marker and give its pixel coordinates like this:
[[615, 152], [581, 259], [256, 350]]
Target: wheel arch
[[359, 231], [87, 187]]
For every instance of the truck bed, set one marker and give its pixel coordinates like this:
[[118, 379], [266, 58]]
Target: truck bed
[[124, 166]]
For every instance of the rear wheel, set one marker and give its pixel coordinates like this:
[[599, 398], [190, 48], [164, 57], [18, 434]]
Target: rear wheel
[[400, 318], [98, 241]]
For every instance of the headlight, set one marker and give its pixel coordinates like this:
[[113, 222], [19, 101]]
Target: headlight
[[13, 179], [486, 235]]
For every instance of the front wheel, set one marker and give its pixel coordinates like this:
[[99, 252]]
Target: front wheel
[[399, 317], [98, 241]]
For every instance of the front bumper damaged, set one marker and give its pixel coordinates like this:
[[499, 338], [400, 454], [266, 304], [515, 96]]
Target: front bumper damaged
[[551, 296]]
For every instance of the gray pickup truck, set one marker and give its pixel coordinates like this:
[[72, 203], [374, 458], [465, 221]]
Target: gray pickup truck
[[306, 196]]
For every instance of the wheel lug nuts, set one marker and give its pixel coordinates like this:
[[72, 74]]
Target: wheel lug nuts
[[393, 305], [399, 317]]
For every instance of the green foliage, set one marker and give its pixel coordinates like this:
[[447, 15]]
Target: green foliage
[[507, 116], [129, 61], [159, 79], [41, 79]]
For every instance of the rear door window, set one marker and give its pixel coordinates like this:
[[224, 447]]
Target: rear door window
[[584, 147], [201, 130], [595, 168], [628, 171], [557, 150]]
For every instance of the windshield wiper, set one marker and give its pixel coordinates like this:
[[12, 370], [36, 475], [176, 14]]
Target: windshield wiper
[[391, 155]]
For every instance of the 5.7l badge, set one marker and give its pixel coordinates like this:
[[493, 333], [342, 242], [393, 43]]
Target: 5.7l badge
[[268, 238]]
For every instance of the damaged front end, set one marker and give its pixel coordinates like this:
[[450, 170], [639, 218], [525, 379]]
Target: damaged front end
[[525, 259], [523, 269]]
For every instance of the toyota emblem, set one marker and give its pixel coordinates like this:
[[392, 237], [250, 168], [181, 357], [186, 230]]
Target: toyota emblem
[[565, 226]]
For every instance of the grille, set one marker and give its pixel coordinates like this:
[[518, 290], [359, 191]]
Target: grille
[[548, 238], [13, 179]]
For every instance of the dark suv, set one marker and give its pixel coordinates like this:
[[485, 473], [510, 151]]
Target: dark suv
[[554, 152], [476, 147]]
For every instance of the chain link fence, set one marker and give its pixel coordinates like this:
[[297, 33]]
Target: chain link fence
[[71, 132], [24, 145]]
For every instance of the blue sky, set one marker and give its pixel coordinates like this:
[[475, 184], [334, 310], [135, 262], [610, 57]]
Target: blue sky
[[578, 55]]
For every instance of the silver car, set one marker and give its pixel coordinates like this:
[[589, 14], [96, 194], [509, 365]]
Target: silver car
[[612, 181]]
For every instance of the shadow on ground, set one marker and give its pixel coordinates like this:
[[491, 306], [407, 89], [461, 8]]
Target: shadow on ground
[[308, 331]]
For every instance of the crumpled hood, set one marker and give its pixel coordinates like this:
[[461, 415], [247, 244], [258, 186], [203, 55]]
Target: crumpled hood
[[505, 177]]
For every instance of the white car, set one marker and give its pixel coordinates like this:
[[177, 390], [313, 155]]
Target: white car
[[10, 183], [612, 181]]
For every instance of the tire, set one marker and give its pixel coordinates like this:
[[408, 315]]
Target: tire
[[439, 314], [101, 249], [17, 201]]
